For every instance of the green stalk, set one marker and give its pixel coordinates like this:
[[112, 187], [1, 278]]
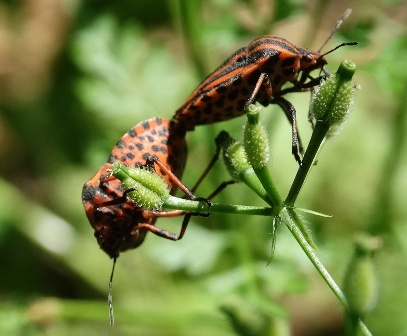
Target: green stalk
[[250, 178], [316, 141], [173, 202], [268, 184], [293, 222]]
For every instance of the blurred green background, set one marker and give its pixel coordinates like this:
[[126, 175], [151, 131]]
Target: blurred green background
[[76, 75]]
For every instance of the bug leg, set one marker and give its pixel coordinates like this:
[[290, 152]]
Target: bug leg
[[154, 214], [299, 86], [222, 186], [176, 181], [168, 234], [215, 158], [118, 200], [290, 112], [209, 167], [263, 81]]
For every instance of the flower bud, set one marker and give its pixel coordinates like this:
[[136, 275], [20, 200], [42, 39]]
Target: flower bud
[[360, 285], [333, 99], [256, 142], [233, 154], [150, 189]]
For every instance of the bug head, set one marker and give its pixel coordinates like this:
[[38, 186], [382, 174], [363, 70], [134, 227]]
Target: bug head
[[114, 219], [116, 236], [311, 60]]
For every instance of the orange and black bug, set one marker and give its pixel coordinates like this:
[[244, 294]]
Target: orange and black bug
[[255, 73], [120, 224]]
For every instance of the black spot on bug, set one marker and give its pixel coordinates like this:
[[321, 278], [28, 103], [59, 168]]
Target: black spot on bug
[[145, 124], [253, 78], [208, 109], [232, 95], [221, 89], [205, 98], [121, 144], [238, 81], [132, 133], [88, 193], [244, 91], [163, 133], [112, 159], [290, 72], [220, 102], [289, 61], [130, 155]]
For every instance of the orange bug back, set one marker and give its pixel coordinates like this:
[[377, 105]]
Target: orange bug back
[[119, 225], [253, 73]]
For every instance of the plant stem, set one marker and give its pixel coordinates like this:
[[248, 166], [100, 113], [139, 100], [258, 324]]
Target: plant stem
[[198, 206], [268, 184], [293, 222], [317, 138], [250, 178]]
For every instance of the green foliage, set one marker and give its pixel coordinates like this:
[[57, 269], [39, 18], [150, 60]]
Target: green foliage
[[109, 65]]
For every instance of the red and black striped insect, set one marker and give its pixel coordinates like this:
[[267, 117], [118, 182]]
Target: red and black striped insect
[[120, 224], [255, 73]]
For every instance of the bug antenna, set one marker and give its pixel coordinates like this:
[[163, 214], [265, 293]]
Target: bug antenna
[[339, 46], [338, 24], [109, 295]]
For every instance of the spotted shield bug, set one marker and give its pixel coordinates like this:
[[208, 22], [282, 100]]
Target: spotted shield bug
[[120, 224], [255, 73]]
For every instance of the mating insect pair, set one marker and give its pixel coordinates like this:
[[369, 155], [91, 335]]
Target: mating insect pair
[[255, 73]]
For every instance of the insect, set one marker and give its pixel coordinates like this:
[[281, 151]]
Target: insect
[[120, 224], [255, 73]]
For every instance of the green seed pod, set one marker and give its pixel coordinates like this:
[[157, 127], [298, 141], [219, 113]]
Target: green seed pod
[[233, 154], [150, 190], [360, 285], [256, 142], [333, 99]]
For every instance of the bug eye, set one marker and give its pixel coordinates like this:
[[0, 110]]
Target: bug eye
[[309, 58]]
